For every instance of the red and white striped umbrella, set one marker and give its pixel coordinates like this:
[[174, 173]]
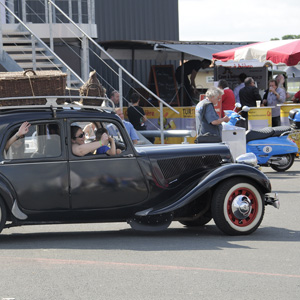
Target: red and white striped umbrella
[[280, 51]]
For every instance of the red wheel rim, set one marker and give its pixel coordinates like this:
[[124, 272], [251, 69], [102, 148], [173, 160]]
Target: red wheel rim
[[254, 207]]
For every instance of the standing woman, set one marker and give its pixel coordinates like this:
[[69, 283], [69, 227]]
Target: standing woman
[[209, 120]]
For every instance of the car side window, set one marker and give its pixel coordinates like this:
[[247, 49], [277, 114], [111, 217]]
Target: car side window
[[41, 141], [92, 132]]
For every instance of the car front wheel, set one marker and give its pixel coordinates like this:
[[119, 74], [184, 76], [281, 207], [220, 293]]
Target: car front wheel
[[237, 207]]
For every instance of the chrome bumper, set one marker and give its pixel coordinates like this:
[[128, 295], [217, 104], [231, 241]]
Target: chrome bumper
[[274, 201]]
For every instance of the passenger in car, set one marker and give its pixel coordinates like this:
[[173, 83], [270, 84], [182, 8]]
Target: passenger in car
[[102, 133], [24, 128], [89, 130], [79, 147], [15, 146]]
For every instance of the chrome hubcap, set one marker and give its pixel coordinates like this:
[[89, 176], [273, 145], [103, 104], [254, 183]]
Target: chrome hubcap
[[241, 207]]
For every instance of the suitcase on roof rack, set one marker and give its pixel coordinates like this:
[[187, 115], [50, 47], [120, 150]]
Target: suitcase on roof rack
[[31, 83]]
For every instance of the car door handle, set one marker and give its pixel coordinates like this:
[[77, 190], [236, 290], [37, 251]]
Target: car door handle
[[128, 155]]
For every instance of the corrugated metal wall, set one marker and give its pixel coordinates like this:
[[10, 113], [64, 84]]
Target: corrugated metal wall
[[135, 20]]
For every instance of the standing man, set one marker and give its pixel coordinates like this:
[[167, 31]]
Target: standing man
[[129, 127], [275, 96], [136, 114], [237, 89], [228, 100], [248, 96], [191, 69], [115, 98]]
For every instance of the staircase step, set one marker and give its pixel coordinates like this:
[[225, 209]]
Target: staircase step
[[22, 49], [26, 65], [15, 33], [22, 56], [16, 40]]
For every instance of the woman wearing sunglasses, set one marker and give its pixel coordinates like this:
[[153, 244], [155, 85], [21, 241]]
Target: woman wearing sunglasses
[[79, 147]]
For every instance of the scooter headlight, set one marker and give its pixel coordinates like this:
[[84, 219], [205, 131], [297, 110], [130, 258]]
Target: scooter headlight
[[247, 158]]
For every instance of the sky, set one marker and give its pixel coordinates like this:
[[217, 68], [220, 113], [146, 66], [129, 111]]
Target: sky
[[237, 20]]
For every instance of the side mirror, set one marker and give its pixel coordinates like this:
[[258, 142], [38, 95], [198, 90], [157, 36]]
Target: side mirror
[[238, 105]]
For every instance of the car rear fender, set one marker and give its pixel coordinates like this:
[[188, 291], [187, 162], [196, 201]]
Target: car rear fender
[[9, 196], [208, 182]]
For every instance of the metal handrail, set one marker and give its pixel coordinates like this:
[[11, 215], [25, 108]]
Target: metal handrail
[[161, 102], [108, 55], [170, 133]]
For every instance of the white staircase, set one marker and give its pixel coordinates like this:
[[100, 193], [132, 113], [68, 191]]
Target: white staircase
[[22, 51], [27, 54]]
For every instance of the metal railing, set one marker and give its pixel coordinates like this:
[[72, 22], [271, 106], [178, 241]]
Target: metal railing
[[121, 70], [83, 11]]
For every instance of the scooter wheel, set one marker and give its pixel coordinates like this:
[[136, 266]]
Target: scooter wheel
[[281, 168]]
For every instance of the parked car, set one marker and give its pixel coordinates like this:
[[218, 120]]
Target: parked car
[[148, 187]]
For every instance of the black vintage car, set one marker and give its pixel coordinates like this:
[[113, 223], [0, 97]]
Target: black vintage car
[[43, 182]]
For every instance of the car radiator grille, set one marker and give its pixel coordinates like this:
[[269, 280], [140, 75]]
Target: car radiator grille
[[173, 167]]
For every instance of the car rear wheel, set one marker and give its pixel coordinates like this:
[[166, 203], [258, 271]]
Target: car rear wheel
[[2, 214], [237, 207]]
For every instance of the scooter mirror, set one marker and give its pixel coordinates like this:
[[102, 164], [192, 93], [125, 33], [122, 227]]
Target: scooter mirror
[[245, 108], [238, 105]]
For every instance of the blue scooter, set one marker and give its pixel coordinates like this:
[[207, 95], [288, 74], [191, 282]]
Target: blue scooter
[[271, 145]]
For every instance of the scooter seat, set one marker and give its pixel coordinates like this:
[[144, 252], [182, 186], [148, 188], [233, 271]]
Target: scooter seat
[[279, 130], [259, 134]]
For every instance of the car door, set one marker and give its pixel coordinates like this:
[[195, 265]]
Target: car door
[[101, 181], [36, 167]]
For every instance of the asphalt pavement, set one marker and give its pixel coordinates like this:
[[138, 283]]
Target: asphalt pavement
[[112, 261]]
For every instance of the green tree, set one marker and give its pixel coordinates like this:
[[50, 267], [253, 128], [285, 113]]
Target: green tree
[[287, 37]]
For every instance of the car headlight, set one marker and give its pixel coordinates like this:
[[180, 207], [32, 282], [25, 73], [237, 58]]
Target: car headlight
[[247, 158]]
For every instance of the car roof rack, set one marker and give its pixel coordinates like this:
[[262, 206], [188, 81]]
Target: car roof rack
[[72, 102]]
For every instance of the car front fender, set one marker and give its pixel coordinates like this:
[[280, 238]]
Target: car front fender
[[207, 182]]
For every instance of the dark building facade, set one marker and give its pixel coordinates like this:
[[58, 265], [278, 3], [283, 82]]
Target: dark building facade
[[134, 20], [137, 20]]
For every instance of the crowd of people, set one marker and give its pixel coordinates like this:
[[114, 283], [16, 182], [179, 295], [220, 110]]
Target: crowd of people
[[247, 94]]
